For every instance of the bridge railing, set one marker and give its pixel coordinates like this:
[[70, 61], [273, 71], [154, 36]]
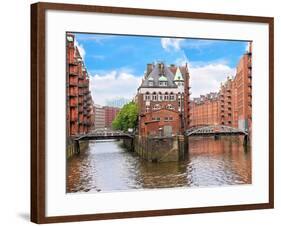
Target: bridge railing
[[214, 129]]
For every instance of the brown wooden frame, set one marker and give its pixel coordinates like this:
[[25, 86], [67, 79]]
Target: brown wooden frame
[[38, 24]]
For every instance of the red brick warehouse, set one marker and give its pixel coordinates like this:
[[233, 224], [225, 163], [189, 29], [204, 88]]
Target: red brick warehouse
[[232, 104], [79, 104]]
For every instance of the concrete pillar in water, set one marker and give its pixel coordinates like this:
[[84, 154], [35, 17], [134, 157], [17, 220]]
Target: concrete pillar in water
[[186, 143], [76, 146], [181, 147], [245, 142]]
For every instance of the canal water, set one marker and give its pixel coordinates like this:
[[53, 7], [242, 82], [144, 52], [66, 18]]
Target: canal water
[[108, 166]]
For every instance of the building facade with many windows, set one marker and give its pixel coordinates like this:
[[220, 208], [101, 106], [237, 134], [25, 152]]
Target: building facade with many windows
[[162, 99], [79, 100], [232, 104], [110, 114]]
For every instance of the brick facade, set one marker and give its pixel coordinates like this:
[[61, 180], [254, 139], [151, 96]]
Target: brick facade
[[232, 105], [79, 101], [110, 114]]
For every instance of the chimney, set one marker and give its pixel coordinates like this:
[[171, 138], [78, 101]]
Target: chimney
[[149, 68]]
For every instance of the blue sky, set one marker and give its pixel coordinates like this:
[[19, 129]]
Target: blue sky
[[116, 63]]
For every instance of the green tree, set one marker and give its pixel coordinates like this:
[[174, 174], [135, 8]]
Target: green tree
[[126, 118]]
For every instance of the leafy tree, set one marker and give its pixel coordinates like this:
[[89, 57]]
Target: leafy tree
[[126, 118]]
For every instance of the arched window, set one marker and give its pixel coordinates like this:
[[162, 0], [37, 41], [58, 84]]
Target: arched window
[[172, 96], [160, 96], [166, 96], [147, 96], [154, 96]]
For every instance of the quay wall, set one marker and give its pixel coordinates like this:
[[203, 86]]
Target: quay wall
[[71, 148], [161, 149]]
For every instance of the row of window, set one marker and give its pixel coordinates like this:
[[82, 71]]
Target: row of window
[[159, 97], [164, 83], [166, 119], [158, 107]]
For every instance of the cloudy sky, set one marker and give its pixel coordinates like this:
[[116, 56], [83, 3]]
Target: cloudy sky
[[116, 63]]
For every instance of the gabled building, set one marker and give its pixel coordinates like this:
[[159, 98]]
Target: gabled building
[[163, 98]]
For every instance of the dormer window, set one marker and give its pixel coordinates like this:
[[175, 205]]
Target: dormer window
[[163, 83], [150, 81]]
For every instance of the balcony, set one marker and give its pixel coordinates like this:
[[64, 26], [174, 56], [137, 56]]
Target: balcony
[[72, 82], [73, 116], [72, 94], [73, 102], [72, 62], [80, 85], [73, 71], [250, 65], [73, 119], [81, 76]]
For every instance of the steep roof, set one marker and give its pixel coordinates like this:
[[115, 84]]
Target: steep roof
[[162, 72], [178, 75], [163, 78]]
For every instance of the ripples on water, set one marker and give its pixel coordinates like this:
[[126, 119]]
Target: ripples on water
[[107, 166]]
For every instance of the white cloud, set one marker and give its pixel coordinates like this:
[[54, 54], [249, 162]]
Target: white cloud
[[170, 44], [247, 47], [197, 43], [181, 59], [112, 84], [207, 78], [81, 49]]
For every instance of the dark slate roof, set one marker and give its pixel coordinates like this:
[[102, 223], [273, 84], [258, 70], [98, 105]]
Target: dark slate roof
[[155, 74]]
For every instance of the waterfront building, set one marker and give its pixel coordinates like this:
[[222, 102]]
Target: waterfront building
[[162, 99], [110, 114], [79, 101], [226, 103], [243, 80], [204, 110], [232, 104], [99, 113]]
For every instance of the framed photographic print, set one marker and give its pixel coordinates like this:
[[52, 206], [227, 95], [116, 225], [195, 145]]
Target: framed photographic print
[[141, 112]]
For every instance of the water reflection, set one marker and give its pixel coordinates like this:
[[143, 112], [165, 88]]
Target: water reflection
[[107, 166]]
